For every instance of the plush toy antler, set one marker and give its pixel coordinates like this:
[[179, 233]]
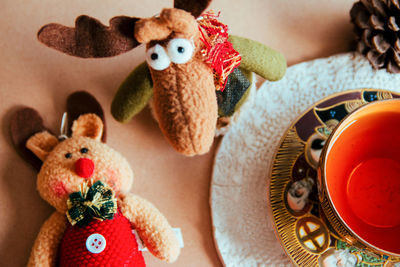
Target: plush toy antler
[[90, 38], [193, 7], [191, 72], [26, 122]]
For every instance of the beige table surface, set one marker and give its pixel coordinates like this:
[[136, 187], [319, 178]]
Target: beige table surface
[[34, 75]]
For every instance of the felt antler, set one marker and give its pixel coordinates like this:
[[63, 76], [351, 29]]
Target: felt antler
[[24, 123], [194, 7], [90, 38]]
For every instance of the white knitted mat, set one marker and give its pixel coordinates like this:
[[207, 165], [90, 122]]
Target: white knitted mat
[[242, 225]]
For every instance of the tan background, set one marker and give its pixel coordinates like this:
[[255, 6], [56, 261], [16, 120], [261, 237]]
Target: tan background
[[34, 75]]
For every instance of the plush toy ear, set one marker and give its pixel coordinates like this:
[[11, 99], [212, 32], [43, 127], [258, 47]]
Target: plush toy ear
[[88, 125], [81, 102], [170, 20], [195, 7], [41, 144], [90, 38]]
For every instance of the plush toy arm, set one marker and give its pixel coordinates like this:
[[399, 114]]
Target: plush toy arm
[[258, 58], [152, 227], [133, 94], [44, 251]]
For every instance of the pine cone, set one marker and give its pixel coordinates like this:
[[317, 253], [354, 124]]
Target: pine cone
[[377, 27]]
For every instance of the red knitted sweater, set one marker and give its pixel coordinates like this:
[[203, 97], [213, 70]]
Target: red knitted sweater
[[101, 243]]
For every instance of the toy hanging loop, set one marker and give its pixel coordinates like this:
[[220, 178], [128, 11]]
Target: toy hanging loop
[[64, 127]]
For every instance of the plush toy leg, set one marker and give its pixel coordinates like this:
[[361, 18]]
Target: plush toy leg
[[133, 94], [152, 227], [24, 123], [80, 103], [44, 251], [259, 58]]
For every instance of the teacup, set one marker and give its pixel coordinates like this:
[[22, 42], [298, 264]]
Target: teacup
[[359, 178]]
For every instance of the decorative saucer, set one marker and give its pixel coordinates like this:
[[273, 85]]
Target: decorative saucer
[[299, 222]]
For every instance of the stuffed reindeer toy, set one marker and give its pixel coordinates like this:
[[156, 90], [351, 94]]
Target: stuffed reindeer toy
[[88, 184], [196, 77]]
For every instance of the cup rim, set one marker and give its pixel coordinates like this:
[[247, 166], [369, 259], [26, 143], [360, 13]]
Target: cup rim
[[322, 166]]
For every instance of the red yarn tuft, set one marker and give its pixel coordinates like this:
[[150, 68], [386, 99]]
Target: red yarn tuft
[[217, 51]]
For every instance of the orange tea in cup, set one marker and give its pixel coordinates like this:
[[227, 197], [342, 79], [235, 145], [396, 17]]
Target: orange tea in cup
[[361, 172]]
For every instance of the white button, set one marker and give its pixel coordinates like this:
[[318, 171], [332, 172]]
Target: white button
[[96, 243]]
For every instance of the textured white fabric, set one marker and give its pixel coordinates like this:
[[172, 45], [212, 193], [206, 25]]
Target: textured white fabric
[[242, 225]]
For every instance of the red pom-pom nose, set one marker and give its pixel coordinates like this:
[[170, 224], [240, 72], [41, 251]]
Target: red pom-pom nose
[[84, 167]]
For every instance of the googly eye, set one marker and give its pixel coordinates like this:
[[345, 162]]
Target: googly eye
[[157, 58], [180, 50]]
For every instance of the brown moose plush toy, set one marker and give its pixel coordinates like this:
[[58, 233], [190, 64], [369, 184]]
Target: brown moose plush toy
[[88, 184], [196, 76]]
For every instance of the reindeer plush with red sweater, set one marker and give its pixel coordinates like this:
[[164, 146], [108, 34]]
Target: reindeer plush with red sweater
[[88, 184]]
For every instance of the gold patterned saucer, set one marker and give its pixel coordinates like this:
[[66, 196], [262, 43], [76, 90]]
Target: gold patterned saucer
[[299, 222]]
